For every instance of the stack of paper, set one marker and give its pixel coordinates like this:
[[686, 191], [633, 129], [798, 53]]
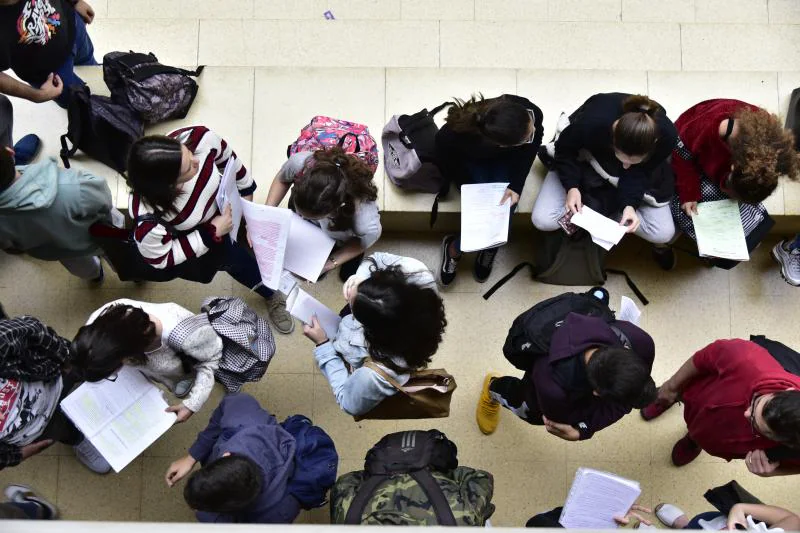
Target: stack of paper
[[484, 222], [303, 306], [121, 418], [604, 231], [228, 193], [719, 230], [596, 497]]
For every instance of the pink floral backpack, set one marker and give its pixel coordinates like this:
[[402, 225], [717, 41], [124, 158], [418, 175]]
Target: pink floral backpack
[[326, 132]]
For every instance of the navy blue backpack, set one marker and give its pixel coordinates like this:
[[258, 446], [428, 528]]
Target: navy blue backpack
[[316, 462]]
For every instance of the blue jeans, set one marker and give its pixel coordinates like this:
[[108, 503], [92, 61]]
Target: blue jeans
[[243, 267], [491, 171], [694, 523], [82, 54]]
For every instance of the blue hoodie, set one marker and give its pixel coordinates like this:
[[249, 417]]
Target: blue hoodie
[[47, 211], [241, 427]]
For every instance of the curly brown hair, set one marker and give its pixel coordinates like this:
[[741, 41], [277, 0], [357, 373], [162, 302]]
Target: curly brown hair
[[331, 184], [761, 152]]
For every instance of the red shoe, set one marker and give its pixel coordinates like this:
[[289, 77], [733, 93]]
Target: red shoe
[[654, 410], [685, 451]]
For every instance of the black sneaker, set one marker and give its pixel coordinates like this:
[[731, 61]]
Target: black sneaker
[[665, 257], [447, 268], [483, 264]]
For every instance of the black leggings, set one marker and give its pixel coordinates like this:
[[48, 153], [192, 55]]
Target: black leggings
[[512, 393], [60, 428]]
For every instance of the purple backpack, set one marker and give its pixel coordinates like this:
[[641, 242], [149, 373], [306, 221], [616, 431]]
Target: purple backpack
[[326, 132]]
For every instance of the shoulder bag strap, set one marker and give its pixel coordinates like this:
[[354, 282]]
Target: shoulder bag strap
[[151, 217], [363, 495], [630, 283], [508, 276], [444, 515], [381, 372]]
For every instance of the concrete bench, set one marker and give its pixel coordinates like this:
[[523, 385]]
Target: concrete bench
[[259, 111]]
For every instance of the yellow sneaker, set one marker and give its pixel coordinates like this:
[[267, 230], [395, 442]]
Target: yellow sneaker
[[488, 411]]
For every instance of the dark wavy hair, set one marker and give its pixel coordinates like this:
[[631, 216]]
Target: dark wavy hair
[[154, 166], [228, 485], [121, 334], [402, 321], [331, 185], [500, 120], [636, 132], [619, 375]]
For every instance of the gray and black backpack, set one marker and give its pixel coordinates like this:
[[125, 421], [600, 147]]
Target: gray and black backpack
[[157, 92]]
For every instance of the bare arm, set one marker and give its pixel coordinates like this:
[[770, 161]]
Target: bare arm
[[277, 191], [344, 254], [671, 389], [772, 515], [51, 88]]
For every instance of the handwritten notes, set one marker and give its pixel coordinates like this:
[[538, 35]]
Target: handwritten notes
[[719, 230]]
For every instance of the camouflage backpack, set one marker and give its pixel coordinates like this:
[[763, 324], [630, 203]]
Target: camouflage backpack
[[413, 478]]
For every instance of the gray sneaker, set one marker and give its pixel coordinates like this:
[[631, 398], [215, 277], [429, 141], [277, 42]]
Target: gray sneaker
[[91, 458], [280, 317], [182, 388], [789, 261]]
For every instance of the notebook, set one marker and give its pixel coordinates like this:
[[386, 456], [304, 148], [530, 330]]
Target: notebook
[[121, 418], [596, 497]]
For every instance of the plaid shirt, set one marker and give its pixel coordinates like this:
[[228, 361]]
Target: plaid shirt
[[29, 351]]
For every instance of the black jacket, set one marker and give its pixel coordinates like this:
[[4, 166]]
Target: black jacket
[[453, 149], [590, 129]]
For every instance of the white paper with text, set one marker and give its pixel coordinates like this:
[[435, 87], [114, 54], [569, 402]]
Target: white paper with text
[[307, 249], [719, 230], [596, 497], [268, 229], [484, 222], [600, 227], [303, 306], [228, 193]]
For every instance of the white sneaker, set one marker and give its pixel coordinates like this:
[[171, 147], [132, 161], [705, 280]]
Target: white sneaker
[[789, 261], [91, 458]]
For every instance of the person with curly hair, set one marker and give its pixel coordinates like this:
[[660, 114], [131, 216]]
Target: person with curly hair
[[334, 190], [397, 320], [486, 140], [730, 149]]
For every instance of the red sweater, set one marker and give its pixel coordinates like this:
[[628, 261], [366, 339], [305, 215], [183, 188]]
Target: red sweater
[[731, 372], [698, 128]]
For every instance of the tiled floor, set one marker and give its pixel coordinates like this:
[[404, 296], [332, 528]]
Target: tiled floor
[[272, 64]]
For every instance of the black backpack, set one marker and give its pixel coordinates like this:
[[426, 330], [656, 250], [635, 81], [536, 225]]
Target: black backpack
[[157, 92], [530, 333], [102, 129], [415, 453]]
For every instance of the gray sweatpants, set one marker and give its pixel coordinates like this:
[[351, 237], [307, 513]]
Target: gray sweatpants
[[656, 225]]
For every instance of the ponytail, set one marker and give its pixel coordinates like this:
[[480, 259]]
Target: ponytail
[[500, 120], [331, 185], [636, 132]]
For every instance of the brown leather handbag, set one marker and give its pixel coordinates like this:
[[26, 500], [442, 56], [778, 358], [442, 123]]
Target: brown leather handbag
[[426, 394]]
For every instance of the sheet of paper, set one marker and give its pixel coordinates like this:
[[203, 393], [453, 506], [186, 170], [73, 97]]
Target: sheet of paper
[[287, 283], [719, 230], [228, 193], [303, 306], [307, 249], [596, 498], [484, 223], [628, 311], [608, 245], [600, 227], [121, 418], [268, 229]]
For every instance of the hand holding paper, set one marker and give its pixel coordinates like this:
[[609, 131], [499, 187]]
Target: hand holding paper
[[719, 230], [228, 194], [605, 232]]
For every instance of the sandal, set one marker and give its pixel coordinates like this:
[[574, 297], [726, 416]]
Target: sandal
[[668, 514]]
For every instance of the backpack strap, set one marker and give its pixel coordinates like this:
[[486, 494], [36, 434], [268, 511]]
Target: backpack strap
[[147, 71], [359, 503], [154, 218], [344, 137], [630, 283], [381, 372], [66, 152], [508, 276], [444, 515], [439, 107]]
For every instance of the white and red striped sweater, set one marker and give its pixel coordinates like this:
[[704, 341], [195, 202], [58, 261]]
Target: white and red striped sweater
[[195, 205]]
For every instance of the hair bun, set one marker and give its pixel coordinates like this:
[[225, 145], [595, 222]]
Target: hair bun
[[639, 103]]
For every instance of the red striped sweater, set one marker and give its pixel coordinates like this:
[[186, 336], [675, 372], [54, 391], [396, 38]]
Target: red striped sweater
[[195, 204]]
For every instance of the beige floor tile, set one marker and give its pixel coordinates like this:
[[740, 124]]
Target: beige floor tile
[[240, 43], [432, 87], [365, 9], [594, 10], [174, 40], [740, 47], [756, 315], [40, 473], [281, 395], [352, 438], [100, 9], [441, 10], [791, 198], [784, 12], [160, 503], [518, 493], [601, 45], [647, 11], [84, 495], [614, 443], [678, 91], [629, 469], [290, 9], [760, 275], [281, 111], [199, 9], [233, 121], [515, 10], [743, 11]]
